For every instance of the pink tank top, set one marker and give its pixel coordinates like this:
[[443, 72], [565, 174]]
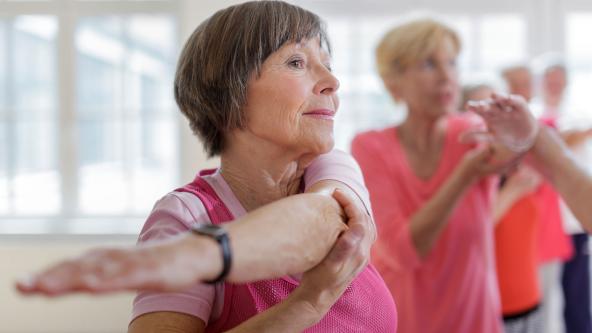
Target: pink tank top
[[365, 306]]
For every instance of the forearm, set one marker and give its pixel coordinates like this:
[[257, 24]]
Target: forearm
[[431, 219], [294, 314], [288, 236], [572, 182]]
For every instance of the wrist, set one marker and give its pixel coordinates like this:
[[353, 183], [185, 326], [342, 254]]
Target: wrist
[[313, 304], [202, 256], [464, 176]]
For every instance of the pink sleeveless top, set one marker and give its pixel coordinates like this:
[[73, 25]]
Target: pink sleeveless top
[[365, 306]]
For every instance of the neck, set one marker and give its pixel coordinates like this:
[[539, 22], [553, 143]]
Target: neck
[[260, 174], [420, 133]]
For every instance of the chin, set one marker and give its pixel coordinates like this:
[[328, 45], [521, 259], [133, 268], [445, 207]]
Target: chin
[[322, 146]]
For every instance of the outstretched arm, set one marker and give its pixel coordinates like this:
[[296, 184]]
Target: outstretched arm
[[288, 236], [319, 289], [510, 121], [569, 178], [308, 222]]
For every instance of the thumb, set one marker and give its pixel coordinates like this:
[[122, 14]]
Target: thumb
[[347, 243]]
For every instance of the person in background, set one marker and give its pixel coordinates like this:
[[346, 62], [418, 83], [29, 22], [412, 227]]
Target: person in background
[[478, 91], [432, 194], [575, 275], [554, 245], [255, 82]]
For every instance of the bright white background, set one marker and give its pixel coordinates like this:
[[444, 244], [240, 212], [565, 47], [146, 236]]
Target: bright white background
[[90, 136]]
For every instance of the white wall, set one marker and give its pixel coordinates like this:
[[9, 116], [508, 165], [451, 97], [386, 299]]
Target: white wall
[[72, 314]]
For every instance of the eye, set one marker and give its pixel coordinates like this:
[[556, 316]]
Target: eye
[[428, 64], [297, 63]]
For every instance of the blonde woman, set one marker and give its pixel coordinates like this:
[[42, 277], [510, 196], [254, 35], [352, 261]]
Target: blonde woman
[[431, 194]]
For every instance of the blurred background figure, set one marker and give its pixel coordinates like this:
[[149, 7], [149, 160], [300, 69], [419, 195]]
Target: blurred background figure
[[430, 192], [475, 92], [519, 80]]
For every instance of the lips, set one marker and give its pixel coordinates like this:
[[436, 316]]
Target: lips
[[321, 113]]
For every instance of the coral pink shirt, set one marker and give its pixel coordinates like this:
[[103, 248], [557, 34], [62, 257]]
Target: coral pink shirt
[[453, 289], [178, 210]]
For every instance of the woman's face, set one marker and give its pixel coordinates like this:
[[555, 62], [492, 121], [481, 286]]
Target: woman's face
[[292, 104], [430, 86], [554, 82]]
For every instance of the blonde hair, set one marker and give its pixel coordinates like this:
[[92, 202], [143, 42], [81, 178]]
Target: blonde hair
[[408, 43]]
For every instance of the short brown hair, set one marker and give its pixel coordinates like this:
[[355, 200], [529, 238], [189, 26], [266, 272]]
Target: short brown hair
[[410, 42], [222, 55]]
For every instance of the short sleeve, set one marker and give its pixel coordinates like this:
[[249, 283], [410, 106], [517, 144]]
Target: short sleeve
[[340, 166], [174, 214]]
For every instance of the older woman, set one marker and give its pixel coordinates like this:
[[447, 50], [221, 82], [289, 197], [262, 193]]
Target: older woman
[[255, 82], [431, 194]]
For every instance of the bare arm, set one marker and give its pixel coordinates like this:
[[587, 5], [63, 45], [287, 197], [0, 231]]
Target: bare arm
[[319, 289], [509, 120], [304, 228], [322, 286], [430, 220], [571, 180]]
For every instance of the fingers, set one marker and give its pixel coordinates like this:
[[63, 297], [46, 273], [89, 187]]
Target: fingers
[[356, 213], [348, 204], [346, 244], [95, 272], [54, 281]]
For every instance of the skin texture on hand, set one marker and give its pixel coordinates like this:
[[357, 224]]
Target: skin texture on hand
[[172, 265], [347, 258], [323, 285], [103, 270], [508, 120]]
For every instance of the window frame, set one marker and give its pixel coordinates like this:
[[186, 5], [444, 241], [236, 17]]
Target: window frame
[[69, 220]]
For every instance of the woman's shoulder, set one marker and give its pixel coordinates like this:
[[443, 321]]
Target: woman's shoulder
[[375, 133], [174, 213], [374, 138]]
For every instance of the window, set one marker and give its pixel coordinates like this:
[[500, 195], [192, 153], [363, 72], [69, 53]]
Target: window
[[578, 47], [29, 176], [125, 112], [99, 139]]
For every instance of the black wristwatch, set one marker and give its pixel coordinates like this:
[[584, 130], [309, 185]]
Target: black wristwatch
[[220, 235]]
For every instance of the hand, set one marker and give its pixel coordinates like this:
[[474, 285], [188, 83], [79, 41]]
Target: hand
[[322, 285], [508, 120], [161, 266], [481, 161]]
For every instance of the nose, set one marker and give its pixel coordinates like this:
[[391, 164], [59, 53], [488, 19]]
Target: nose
[[447, 72], [327, 83]]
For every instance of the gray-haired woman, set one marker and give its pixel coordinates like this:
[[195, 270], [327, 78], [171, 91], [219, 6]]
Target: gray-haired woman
[[255, 82]]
